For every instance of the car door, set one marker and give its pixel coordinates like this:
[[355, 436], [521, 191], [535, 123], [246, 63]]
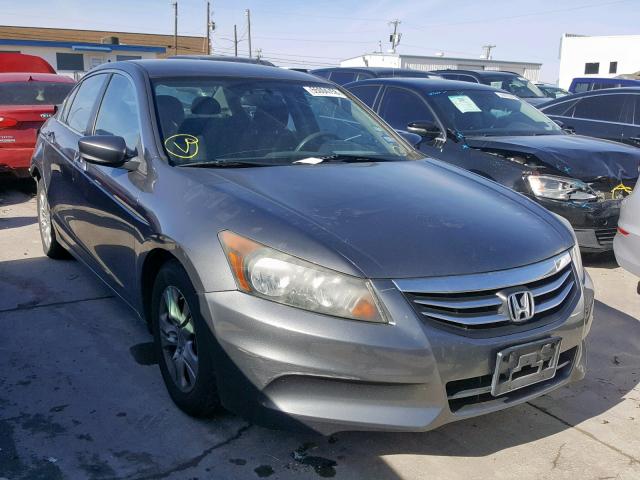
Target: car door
[[599, 115], [108, 214], [61, 156], [631, 128]]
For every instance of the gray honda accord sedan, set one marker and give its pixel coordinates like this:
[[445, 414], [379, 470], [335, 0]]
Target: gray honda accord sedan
[[297, 261]]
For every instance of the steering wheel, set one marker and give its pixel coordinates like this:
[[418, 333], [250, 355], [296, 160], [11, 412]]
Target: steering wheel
[[315, 136]]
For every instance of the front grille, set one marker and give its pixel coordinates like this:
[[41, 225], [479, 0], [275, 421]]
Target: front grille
[[473, 391], [605, 236], [472, 302]]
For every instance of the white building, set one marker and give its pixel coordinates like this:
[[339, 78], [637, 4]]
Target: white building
[[606, 56], [418, 62]]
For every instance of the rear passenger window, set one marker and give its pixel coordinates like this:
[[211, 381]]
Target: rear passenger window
[[564, 109], [467, 78], [366, 93], [581, 87], [363, 76], [342, 77], [118, 113], [83, 103], [606, 108]]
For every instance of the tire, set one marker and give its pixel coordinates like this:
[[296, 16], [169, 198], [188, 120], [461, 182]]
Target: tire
[[50, 245], [182, 343]]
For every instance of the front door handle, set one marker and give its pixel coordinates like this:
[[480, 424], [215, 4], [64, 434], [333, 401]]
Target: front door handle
[[635, 139]]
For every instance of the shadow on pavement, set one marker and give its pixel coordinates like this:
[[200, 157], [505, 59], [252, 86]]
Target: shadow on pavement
[[600, 260], [77, 376], [16, 222]]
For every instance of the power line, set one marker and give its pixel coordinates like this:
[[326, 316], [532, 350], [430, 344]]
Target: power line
[[511, 17]]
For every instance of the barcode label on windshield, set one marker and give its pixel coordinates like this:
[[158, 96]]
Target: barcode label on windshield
[[325, 92]]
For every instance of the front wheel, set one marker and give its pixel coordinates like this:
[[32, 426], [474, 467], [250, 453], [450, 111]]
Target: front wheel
[[50, 245], [183, 343]]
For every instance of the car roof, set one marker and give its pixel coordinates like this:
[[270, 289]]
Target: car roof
[[374, 70], [180, 67], [35, 77], [424, 84], [224, 58], [604, 79], [480, 73], [591, 93]]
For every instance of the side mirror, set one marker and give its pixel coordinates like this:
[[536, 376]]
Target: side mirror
[[412, 138], [427, 130], [107, 150], [564, 127]]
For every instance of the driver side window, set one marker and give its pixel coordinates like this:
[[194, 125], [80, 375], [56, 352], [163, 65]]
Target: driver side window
[[400, 107]]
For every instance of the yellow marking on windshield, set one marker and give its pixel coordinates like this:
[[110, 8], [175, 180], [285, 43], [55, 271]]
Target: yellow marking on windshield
[[182, 145]]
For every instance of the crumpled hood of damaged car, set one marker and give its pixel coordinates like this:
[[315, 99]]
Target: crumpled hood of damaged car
[[396, 219], [580, 157]]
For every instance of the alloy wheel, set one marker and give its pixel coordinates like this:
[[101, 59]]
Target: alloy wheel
[[178, 339], [45, 219]]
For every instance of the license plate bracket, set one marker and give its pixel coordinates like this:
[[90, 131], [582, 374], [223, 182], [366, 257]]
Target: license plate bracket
[[523, 365]]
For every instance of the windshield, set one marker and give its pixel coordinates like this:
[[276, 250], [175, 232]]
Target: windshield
[[267, 122], [33, 93], [519, 86], [488, 112]]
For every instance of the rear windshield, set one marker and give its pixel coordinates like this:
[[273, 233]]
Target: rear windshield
[[33, 93], [519, 86]]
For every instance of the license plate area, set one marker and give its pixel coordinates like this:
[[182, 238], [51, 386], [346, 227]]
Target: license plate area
[[524, 365]]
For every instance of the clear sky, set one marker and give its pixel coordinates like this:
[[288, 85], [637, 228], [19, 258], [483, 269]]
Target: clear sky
[[321, 32]]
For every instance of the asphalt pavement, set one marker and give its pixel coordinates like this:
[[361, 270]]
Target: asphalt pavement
[[81, 396]]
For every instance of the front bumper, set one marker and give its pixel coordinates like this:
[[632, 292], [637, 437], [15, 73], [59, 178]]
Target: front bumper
[[284, 367], [593, 222], [627, 251]]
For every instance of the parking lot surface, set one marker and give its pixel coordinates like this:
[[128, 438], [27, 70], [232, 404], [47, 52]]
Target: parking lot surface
[[81, 396]]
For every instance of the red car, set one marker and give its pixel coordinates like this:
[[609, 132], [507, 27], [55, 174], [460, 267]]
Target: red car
[[26, 101]]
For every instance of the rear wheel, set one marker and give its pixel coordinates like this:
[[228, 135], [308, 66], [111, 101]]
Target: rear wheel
[[183, 342], [50, 245]]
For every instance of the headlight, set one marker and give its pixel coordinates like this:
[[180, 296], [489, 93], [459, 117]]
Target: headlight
[[560, 188], [577, 261], [276, 276]]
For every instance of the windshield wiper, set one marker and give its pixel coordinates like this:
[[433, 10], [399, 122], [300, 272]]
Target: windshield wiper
[[225, 164], [342, 157]]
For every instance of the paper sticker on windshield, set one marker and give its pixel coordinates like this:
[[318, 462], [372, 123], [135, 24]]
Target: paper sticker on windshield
[[506, 95], [464, 103], [325, 92]]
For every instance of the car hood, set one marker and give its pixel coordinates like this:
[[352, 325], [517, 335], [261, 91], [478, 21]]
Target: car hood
[[580, 157], [395, 219]]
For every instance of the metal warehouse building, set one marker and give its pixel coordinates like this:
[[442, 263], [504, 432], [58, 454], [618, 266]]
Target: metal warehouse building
[[74, 52], [417, 62]]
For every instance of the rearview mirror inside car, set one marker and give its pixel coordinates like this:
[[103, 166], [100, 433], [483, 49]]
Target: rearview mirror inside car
[[428, 130], [107, 150]]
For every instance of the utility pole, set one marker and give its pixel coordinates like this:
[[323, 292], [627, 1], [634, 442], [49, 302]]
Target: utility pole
[[486, 51], [208, 28], [248, 12], [175, 26], [395, 37], [235, 39]]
